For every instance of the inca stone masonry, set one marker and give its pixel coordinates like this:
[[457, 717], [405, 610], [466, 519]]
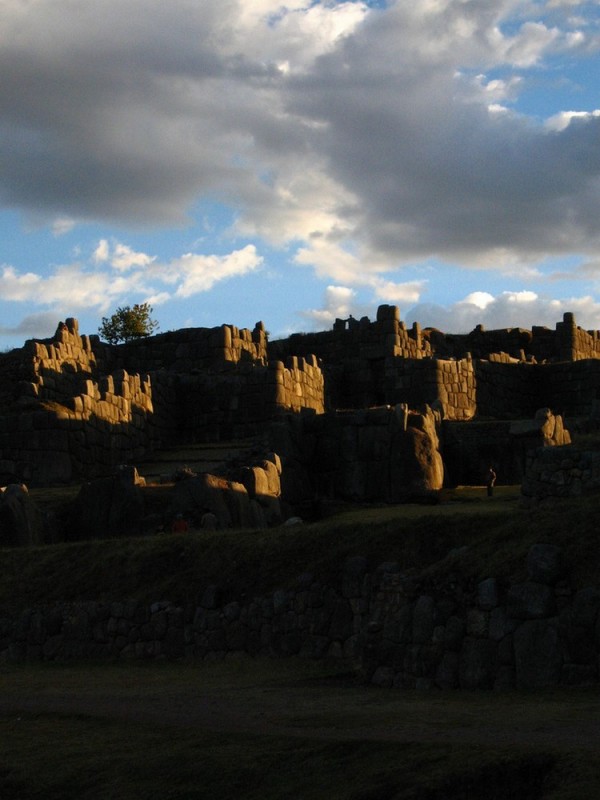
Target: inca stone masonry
[[370, 410]]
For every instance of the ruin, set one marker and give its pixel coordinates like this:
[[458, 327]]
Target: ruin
[[368, 411]]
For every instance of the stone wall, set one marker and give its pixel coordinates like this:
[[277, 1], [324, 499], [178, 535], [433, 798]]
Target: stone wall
[[567, 342], [74, 407], [64, 416], [470, 448], [354, 356], [564, 472], [507, 389], [572, 389], [187, 350], [575, 344], [241, 403], [445, 384], [383, 454], [529, 635]]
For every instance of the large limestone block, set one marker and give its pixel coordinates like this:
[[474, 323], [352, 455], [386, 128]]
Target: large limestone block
[[545, 563], [530, 600], [108, 507], [425, 468], [423, 619], [477, 663], [538, 658], [272, 473], [21, 523], [256, 481], [192, 497], [238, 503]]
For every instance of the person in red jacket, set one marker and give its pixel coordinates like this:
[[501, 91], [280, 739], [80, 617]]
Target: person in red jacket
[[179, 524]]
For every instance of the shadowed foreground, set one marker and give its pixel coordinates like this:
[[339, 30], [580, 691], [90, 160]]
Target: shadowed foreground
[[280, 729]]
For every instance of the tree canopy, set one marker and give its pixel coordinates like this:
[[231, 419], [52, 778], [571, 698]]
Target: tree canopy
[[128, 323]]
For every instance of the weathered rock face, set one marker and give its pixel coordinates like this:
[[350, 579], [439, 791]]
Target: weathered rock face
[[21, 523], [424, 468]]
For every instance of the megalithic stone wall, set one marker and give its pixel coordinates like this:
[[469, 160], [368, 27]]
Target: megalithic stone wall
[[218, 349], [382, 454], [70, 418], [560, 472], [451, 633], [575, 344], [445, 384]]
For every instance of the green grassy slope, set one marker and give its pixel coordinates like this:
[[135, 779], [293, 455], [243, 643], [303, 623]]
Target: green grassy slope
[[492, 536]]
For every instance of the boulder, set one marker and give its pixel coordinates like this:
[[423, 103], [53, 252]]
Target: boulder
[[545, 563], [538, 658], [109, 507], [21, 522], [477, 663], [195, 496], [530, 600]]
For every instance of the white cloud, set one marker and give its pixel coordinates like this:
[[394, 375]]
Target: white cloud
[[560, 121], [479, 299], [338, 302], [354, 135], [506, 310], [196, 273], [97, 286], [38, 325], [398, 293], [62, 226], [124, 258], [17, 287]]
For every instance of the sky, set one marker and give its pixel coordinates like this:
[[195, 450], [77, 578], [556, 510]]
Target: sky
[[229, 161]]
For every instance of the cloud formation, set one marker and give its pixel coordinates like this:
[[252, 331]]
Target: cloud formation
[[114, 272], [317, 120], [506, 310], [361, 137]]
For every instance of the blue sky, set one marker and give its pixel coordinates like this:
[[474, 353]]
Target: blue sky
[[297, 161]]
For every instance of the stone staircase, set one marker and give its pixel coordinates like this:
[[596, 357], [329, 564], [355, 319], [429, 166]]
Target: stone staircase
[[214, 457]]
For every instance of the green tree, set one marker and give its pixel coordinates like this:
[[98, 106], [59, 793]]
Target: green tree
[[128, 323]]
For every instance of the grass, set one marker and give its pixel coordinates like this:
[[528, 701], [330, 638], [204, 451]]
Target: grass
[[280, 730], [467, 534]]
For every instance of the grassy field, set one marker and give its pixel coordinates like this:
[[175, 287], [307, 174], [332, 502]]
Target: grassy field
[[262, 730], [467, 532], [285, 728]]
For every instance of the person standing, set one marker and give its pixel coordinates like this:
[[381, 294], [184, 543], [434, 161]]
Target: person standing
[[490, 481]]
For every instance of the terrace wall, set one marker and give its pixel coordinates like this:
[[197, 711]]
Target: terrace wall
[[445, 635]]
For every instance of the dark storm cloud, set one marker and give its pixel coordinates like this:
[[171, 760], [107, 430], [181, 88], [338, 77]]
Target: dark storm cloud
[[380, 125], [435, 171]]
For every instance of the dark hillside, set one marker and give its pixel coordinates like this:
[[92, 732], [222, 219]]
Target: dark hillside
[[466, 536]]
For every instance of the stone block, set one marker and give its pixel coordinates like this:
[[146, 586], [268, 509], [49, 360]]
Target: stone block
[[487, 594], [530, 600], [423, 619], [446, 676], [538, 656], [545, 563], [477, 664]]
